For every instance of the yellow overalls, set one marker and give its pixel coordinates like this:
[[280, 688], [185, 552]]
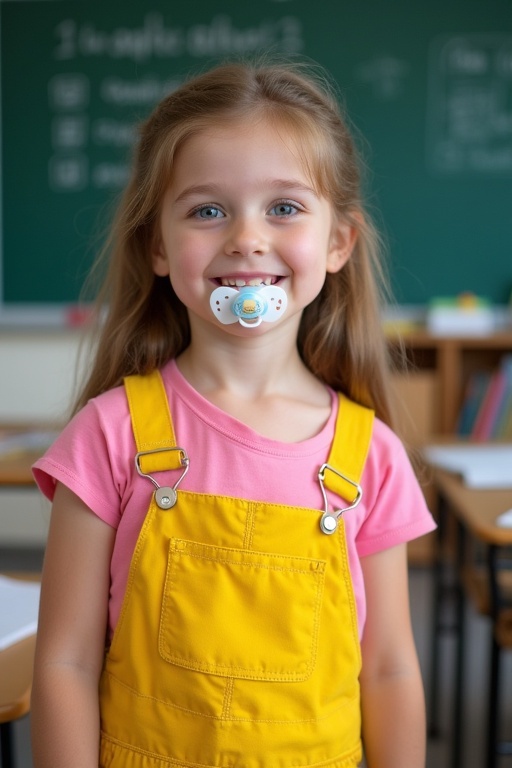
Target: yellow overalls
[[237, 644]]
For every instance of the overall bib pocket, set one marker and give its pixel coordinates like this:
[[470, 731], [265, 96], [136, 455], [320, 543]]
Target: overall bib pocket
[[242, 614]]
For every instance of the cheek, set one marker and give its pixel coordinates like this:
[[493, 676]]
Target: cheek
[[188, 262], [308, 259], [307, 253], [184, 256]]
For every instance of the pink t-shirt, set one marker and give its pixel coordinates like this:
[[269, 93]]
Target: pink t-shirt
[[94, 457]]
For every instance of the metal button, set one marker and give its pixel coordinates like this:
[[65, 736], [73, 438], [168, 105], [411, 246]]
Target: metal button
[[328, 523], [165, 497]]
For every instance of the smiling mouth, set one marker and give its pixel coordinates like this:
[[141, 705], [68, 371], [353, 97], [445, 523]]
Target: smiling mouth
[[238, 282]]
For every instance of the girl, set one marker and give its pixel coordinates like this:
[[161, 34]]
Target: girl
[[257, 613]]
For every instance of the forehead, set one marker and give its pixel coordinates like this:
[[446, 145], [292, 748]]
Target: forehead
[[252, 142]]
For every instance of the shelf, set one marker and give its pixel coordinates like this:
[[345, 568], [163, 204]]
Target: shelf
[[428, 395], [451, 359]]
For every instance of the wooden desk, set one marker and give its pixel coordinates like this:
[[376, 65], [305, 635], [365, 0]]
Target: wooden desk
[[16, 669], [16, 674], [477, 509], [474, 513], [17, 661]]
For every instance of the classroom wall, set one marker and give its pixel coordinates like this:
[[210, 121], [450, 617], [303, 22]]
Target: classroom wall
[[38, 370], [36, 385]]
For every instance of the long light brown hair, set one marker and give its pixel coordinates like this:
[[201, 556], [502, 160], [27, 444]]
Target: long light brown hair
[[142, 324]]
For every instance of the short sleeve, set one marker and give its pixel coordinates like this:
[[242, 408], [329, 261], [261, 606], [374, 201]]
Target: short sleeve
[[88, 461], [396, 511]]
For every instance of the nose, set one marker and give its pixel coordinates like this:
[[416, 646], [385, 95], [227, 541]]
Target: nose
[[246, 237]]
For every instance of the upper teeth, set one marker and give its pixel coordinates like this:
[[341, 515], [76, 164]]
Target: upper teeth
[[238, 283]]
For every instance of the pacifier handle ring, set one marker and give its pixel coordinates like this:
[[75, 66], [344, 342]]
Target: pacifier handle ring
[[257, 321]]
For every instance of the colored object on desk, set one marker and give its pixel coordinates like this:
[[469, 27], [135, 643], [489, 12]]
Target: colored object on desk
[[463, 315], [77, 316]]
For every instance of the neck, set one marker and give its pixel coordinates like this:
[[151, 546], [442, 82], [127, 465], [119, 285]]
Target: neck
[[260, 380], [246, 367]]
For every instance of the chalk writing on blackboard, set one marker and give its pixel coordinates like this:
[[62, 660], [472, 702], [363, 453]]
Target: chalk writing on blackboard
[[76, 134], [387, 76], [154, 39], [469, 116]]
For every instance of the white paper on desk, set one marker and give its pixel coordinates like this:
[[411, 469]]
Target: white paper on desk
[[481, 466], [19, 605]]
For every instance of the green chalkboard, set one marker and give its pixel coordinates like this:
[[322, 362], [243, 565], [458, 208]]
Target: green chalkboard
[[429, 86]]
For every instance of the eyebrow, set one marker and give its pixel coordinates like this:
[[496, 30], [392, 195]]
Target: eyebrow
[[214, 189], [293, 184]]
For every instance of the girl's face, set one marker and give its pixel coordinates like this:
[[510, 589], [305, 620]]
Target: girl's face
[[242, 209]]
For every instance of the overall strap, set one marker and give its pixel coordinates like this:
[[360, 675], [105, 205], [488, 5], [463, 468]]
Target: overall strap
[[352, 437], [152, 423], [154, 433]]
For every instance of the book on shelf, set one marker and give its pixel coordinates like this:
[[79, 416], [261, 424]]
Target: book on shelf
[[486, 411], [476, 388], [504, 429]]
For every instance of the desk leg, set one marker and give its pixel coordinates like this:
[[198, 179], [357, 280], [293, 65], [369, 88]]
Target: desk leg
[[438, 594], [494, 672], [446, 586], [6, 745], [492, 718]]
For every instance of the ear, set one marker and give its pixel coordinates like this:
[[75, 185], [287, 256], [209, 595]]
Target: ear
[[343, 239], [159, 258]]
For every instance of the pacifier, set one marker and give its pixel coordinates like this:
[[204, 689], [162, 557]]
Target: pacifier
[[248, 305]]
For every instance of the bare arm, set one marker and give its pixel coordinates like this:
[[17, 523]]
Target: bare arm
[[71, 636], [394, 729]]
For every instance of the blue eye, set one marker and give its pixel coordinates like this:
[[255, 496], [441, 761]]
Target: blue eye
[[283, 209], [209, 212]]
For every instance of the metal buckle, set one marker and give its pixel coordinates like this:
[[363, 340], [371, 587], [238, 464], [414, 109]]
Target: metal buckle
[[329, 520], [166, 495]]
